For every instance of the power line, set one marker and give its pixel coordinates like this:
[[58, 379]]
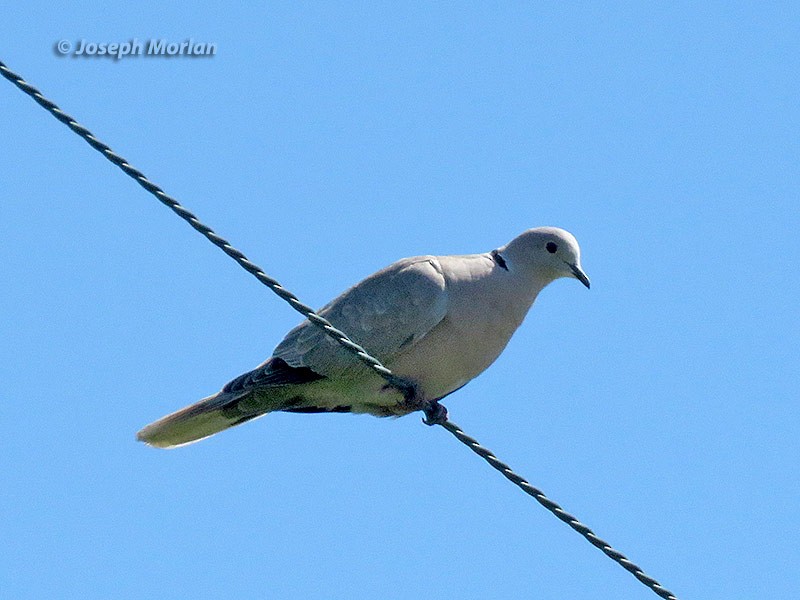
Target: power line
[[435, 413]]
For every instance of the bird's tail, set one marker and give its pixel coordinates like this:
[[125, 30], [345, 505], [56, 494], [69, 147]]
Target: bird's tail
[[197, 421]]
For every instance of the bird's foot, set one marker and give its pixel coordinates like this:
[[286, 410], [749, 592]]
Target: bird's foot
[[435, 413]]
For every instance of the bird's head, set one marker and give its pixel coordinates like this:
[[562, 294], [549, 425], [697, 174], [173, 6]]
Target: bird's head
[[546, 252]]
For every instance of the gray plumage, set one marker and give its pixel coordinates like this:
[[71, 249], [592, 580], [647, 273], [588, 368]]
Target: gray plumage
[[435, 321]]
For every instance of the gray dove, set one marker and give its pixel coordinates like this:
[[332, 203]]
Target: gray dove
[[436, 322]]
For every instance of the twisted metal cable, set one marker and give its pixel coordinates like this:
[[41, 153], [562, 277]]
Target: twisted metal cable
[[192, 220], [559, 512], [330, 330]]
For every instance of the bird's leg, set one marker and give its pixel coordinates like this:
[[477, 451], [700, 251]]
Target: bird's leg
[[409, 389], [435, 413]]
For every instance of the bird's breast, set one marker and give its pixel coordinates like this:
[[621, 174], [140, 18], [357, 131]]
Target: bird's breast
[[454, 352]]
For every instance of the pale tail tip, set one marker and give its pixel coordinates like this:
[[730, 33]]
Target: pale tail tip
[[150, 438]]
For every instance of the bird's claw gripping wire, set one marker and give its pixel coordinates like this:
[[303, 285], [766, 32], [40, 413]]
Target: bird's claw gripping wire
[[435, 413]]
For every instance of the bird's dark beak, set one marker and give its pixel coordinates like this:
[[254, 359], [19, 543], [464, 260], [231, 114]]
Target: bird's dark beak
[[580, 275]]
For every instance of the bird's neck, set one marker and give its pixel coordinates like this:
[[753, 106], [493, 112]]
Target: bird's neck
[[522, 293]]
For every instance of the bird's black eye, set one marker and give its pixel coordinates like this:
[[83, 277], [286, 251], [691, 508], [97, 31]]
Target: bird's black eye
[[551, 247]]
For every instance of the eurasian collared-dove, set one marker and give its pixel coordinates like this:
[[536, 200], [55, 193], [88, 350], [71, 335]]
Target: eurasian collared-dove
[[436, 321]]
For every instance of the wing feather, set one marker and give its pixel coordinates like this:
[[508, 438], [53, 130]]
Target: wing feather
[[385, 313]]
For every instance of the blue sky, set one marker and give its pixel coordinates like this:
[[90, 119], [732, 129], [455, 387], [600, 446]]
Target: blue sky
[[326, 141]]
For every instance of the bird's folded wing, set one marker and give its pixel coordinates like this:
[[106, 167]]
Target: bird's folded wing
[[386, 313]]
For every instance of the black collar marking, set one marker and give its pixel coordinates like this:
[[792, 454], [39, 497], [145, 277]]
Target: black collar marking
[[501, 262]]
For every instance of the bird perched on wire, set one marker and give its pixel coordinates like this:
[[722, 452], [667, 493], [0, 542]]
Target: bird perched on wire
[[436, 322]]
